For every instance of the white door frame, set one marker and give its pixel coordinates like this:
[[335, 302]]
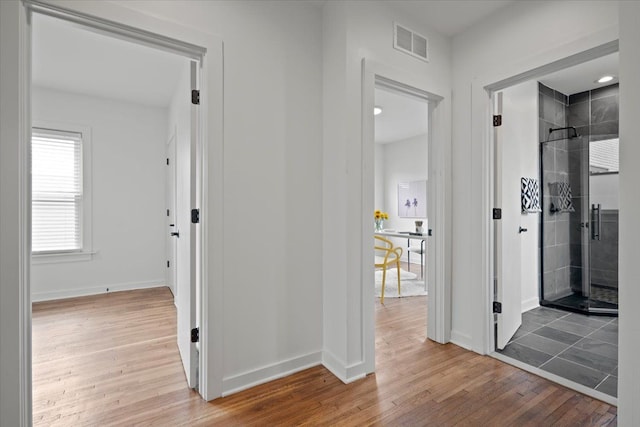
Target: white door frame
[[483, 149], [121, 22], [438, 209]]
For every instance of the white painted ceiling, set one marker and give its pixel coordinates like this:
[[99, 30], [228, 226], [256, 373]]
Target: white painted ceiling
[[402, 117], [582, 77], [451, 17], [70, 58]]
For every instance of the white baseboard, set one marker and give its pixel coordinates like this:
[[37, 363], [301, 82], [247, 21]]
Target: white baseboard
[[268, 373], [530, 304], [461, 340], [346, 374], [96, 290]]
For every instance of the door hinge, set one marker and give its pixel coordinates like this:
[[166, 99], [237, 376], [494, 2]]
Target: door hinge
[[167, 264], [195, 335], [497, 213], [497, 307], [167, 161], [497, 120], [167, 212], [195, 216], [195, 97]]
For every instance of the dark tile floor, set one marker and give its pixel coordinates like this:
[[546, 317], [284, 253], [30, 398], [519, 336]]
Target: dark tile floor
[[580, 348]]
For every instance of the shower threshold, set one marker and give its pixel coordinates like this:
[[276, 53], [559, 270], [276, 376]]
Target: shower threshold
[[581, 304]]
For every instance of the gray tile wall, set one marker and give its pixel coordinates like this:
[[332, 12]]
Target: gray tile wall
[[604, 252], [555, 168], [595, 115]]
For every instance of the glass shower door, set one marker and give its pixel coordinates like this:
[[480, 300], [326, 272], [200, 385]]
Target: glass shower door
[[604, 212]]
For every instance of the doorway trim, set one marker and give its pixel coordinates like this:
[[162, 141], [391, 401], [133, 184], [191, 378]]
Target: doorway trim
[[117, 21], [483, 145], [438, 207]]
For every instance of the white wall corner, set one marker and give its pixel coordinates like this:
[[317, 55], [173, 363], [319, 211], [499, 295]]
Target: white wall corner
[[530, 304], [461, 340], [346, 374], [248, 379], [334, 365]]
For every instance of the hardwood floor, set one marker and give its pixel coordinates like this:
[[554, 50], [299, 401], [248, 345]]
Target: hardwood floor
[[112, 360]]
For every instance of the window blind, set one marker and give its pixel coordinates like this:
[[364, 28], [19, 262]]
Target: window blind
[[56, 173]]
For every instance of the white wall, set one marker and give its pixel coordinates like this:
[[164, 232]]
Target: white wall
[[629, 333], [127, 191], [520, 126], [404, 161], [520, 37], [272, 181], [353, 31]]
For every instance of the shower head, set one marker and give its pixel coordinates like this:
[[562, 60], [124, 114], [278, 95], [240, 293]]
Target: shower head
[[568, 128]]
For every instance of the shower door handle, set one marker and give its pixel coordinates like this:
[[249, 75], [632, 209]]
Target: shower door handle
[[596, 222]]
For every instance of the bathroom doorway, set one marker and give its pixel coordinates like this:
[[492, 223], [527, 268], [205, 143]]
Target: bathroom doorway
[[556, 157]]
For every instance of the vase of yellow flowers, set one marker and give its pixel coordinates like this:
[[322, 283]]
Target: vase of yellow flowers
[[378, 218]]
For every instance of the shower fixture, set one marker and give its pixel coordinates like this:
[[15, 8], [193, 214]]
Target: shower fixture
[[551, 130]]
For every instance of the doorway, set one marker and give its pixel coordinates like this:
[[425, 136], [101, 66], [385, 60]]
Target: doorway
[[437, 267], [554, 141], [127, 136], [401, 172]]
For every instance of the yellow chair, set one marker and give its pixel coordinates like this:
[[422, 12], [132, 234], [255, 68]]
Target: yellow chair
[[389, 256]]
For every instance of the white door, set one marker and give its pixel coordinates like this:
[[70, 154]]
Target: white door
[[507, 238], [187, 199], [171, 226]]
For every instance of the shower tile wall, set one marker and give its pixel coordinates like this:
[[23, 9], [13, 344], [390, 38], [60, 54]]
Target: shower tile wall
[[595, 115], [555, 159]]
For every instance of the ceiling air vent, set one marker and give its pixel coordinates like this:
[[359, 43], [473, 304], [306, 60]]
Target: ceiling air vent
[[411, 42]]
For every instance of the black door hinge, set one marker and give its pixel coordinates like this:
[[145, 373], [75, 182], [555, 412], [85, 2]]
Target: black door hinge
[[497, 307], [167, 212], [497, 213], [195, 216], [497, 120], [167, 264], [167, 161], [195, 97], [195, 335]]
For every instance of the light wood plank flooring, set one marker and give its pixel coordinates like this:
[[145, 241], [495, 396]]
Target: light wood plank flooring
[[112, 360]]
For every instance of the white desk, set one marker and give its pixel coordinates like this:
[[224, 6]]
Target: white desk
[[406, 235], [402, 235]]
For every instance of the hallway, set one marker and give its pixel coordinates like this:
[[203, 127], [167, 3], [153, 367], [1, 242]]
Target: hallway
[[112, 360]]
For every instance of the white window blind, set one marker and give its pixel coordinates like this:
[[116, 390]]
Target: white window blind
[[56, 162]]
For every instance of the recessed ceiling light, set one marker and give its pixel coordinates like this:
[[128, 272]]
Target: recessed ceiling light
[[377, 110], [605, 79]]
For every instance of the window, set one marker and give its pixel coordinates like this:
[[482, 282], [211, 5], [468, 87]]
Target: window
[[58, 192]]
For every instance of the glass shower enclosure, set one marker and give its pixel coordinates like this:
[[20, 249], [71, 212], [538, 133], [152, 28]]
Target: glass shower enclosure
[[579, 223]]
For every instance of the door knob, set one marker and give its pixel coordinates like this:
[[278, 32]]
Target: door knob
[[522, 230], [175, 233]]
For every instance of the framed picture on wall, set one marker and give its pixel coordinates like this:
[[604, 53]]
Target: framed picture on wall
[[412, 199]]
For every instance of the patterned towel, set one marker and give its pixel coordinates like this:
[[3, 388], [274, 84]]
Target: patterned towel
[[530, 195], [560, 197]]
